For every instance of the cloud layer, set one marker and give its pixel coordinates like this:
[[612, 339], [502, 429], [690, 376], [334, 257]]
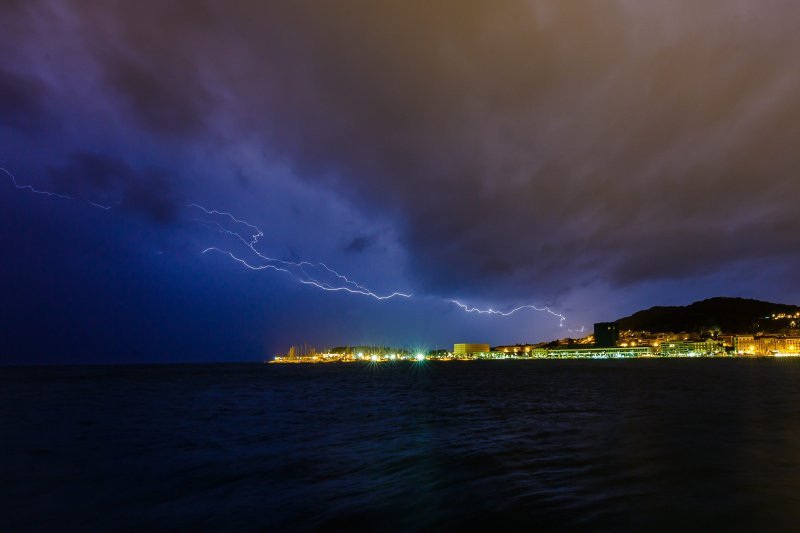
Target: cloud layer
[[514, 147]]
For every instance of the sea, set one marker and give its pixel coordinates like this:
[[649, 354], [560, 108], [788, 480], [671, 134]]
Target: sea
[[561, 445]]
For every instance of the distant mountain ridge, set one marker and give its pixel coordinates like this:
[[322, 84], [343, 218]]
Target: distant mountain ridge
[[730, 315]]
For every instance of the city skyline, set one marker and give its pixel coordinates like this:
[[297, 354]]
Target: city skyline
[[717, 327]]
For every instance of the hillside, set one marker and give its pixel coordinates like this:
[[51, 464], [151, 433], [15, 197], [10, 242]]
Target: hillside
[[725, 314]]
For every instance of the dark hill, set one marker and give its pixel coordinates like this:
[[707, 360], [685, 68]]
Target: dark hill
[[731, 315]]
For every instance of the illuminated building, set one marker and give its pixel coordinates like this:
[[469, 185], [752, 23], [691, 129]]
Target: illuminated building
[[750, 345], [776, 346], [515, 349], [469, 349], [727, 340], [601, 353], [606, 334], [707, 347], [744, 345]]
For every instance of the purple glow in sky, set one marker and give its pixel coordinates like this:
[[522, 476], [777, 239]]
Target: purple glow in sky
[[588, 158]]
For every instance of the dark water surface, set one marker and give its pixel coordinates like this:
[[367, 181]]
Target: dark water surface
[[631, 445]]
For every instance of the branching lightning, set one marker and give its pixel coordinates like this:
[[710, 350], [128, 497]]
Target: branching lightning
[[309, 280], [298, 270], [491, 311], [257, 235], [304, 272]]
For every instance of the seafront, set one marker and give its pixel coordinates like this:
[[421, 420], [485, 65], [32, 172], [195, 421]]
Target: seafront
[[607, 342]]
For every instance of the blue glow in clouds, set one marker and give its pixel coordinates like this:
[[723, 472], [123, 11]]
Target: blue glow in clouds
[[318, 275]]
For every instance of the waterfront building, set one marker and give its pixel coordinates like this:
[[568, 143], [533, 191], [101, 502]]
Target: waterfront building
[[727, 340], [606, 334], [766, 345], [515, 349], [469, 349], [602, 353], [744, 345], [777, 345], [708, 347]]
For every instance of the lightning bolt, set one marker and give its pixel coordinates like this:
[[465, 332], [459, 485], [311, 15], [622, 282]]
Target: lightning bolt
[[309, 280], [32, 189], [254, 239], [491, 311], [297, 270]]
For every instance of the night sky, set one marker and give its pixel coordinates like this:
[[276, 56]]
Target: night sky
[[594, 157]]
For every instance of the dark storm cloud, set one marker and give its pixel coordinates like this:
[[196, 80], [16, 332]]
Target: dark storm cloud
[[361, 243], [108, 179], [22, 102], [163, 101], [534, 143]]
